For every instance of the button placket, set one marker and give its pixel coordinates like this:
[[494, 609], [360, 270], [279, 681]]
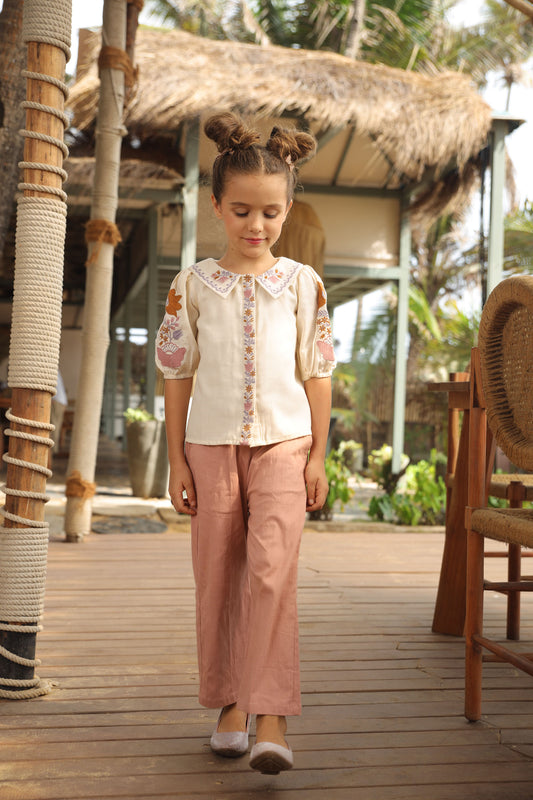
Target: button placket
[[249, 358]]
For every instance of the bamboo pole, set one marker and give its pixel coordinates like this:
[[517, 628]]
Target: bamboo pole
[[95, 335], [30, 407]]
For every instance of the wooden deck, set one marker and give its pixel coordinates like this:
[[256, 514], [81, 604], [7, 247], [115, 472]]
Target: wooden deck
[[383, 695]]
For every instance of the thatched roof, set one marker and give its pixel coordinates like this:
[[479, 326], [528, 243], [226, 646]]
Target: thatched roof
[[418, 122]]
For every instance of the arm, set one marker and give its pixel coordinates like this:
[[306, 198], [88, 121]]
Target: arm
[[177, 394], [318, 391]]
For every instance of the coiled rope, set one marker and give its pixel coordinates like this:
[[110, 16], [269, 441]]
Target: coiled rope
[[34, 352]]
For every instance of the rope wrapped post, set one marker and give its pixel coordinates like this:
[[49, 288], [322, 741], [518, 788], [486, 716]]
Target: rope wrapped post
[[116, 73], [34, 345]]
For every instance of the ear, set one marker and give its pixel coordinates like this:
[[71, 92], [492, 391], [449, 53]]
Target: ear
[[216, 207]]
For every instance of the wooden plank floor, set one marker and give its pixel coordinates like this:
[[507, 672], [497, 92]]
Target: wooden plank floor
[[382, 695]]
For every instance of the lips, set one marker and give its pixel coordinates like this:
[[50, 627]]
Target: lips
[[255, 241]]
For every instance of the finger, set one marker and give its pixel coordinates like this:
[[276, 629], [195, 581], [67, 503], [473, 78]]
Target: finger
[[319, 499], [181, 504], [311, 494], [178, 502], [190, 491]]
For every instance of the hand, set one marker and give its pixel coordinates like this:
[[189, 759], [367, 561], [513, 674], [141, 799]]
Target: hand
[[317, 484], [181, 480]]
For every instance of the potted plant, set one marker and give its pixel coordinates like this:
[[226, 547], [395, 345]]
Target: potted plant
[[147, 453]]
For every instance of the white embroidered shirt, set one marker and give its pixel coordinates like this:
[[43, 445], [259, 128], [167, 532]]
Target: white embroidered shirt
[[252, 340]]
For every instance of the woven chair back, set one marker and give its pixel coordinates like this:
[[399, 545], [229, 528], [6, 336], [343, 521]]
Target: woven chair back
[[506, 352]]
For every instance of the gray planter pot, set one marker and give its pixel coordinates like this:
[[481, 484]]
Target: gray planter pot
[[147, 458]]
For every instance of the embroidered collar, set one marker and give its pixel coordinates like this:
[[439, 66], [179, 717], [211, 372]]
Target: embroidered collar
[[274, 281]]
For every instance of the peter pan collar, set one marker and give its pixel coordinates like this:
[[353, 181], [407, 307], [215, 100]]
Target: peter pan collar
[[221, 281]]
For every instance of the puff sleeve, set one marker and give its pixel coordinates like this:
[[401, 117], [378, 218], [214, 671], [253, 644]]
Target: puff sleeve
[[176, 348], [316, 358]]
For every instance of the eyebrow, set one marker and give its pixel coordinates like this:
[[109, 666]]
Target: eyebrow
[[247, 205]]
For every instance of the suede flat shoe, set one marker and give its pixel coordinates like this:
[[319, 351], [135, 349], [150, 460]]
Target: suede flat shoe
[[230, 744], [270, 758]]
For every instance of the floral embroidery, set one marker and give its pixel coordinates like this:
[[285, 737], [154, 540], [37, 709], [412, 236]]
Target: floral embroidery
[[322, 299], [168, 351], [173, 303], [324, 335], [221, 275], [221, 280], [249, 359], [171, 360], [276, 280]]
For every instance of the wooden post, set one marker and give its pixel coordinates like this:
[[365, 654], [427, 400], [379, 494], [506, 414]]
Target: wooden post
[[398, 425], [497, 186], [449, 615], [152, 310], [190, 194], [126, 365], [516, 494], [477, 481], [32, 404]]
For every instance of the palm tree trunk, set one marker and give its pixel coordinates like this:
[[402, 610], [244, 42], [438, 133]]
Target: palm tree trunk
[[95, 334], [355, 29], [12, 93]]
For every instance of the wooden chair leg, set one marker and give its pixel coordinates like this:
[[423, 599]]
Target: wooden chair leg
[[449, 615], [474, 625], [514, 572]]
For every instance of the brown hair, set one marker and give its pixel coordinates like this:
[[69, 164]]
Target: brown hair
[[240, 152]]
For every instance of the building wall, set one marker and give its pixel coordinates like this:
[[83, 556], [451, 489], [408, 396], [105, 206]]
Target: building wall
[[360, 231]]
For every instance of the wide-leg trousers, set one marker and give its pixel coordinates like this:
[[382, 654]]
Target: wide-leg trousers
[[245, 543]]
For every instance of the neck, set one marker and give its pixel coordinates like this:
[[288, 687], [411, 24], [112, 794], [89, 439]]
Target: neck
[[247, 266]]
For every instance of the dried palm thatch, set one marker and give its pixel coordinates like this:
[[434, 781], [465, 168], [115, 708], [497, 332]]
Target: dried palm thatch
[[419, 122]]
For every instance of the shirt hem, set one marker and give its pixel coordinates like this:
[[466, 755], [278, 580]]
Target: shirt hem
[[254, 443]]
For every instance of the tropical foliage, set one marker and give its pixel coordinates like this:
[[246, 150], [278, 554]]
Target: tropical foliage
[[409, 34], [421, 498], [518, 242], [340, 492]]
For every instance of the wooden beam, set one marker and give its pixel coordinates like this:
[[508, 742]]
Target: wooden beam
[[324, 138], [384, 274], [344, 153]]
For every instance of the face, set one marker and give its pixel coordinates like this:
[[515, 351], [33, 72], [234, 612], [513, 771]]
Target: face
[[253, 209]]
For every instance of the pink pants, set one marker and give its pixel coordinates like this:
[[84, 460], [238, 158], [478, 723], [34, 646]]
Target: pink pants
[[245, 544]]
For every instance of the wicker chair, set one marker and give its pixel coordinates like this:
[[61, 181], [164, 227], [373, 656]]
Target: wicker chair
[[502, 396]]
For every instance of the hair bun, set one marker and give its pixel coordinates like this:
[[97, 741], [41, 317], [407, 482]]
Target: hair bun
[[229, 132], [291, 144]]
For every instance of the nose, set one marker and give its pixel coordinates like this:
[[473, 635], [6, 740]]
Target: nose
[[255, 223]]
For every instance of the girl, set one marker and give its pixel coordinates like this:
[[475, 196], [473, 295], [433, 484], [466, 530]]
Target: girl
[[255, 330]]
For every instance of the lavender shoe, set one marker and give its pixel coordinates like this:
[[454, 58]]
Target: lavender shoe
[[230, 744], [270, 758]]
